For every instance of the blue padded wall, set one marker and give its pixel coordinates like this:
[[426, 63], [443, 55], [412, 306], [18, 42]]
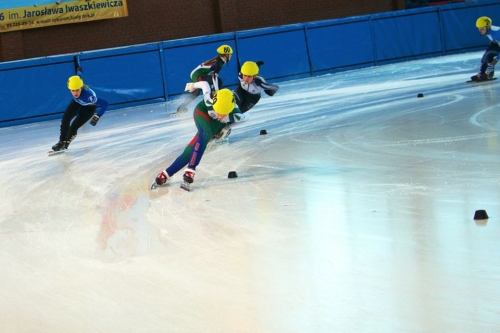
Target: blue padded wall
[[340, 43], [283, 50], [458, 25], [415, 33], [34, 87], [124, 75]]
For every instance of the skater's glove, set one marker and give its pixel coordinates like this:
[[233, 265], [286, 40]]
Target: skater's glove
[[94, 120], [190, 87]]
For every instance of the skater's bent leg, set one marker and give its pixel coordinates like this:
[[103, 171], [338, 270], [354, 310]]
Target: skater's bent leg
[[69, 113], [250, 101], [182, 160], [488, 59], [204, 135], [85, 114], [192, 154], [197, 153]]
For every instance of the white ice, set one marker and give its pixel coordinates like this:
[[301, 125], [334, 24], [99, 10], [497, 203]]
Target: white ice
[[353, 214]]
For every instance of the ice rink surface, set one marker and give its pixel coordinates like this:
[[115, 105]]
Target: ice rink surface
[[353, 214]]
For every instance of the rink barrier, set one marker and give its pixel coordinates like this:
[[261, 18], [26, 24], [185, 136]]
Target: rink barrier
[[35, 89]]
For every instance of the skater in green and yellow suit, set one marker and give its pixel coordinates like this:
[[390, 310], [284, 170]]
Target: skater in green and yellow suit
[[210, 116]]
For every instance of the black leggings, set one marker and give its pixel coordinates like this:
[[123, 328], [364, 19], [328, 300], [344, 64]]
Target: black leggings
[[82, 112], [492, 51]]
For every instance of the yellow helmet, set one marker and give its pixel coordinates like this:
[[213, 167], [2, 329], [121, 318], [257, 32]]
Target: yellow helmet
[[483, 22], [224, 49], [223, 101], [75, 82], [250, 68]]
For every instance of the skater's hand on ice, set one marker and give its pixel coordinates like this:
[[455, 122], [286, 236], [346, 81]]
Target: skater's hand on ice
[[94, 120]]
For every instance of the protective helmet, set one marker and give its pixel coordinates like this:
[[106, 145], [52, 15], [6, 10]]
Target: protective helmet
[[75, 82], [483, 22], [224, 49], [223, 101], [250, 68]]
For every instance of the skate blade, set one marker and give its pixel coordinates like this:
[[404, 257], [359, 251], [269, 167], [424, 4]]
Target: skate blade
[[481, 81], [185, 186], [153, 185], [179, 112], [55, 152], [221, 141]]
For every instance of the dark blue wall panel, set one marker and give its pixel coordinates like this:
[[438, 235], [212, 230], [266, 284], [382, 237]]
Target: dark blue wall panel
[[283, 49], [32, 88], [340, 43], [459, 25], [126, 77], [403, 36]]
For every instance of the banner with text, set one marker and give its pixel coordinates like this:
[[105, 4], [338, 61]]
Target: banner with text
[[60, 12]]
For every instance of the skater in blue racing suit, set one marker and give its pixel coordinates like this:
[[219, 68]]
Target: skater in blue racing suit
[[82, 107], [490, 56]]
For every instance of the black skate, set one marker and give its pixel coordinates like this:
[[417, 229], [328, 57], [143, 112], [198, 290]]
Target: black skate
[[59, 147], [479, 77], [482, 77]]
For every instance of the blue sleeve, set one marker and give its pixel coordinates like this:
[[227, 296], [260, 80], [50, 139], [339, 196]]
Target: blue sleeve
[[103, 106], [90, 95], [495, 36]]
